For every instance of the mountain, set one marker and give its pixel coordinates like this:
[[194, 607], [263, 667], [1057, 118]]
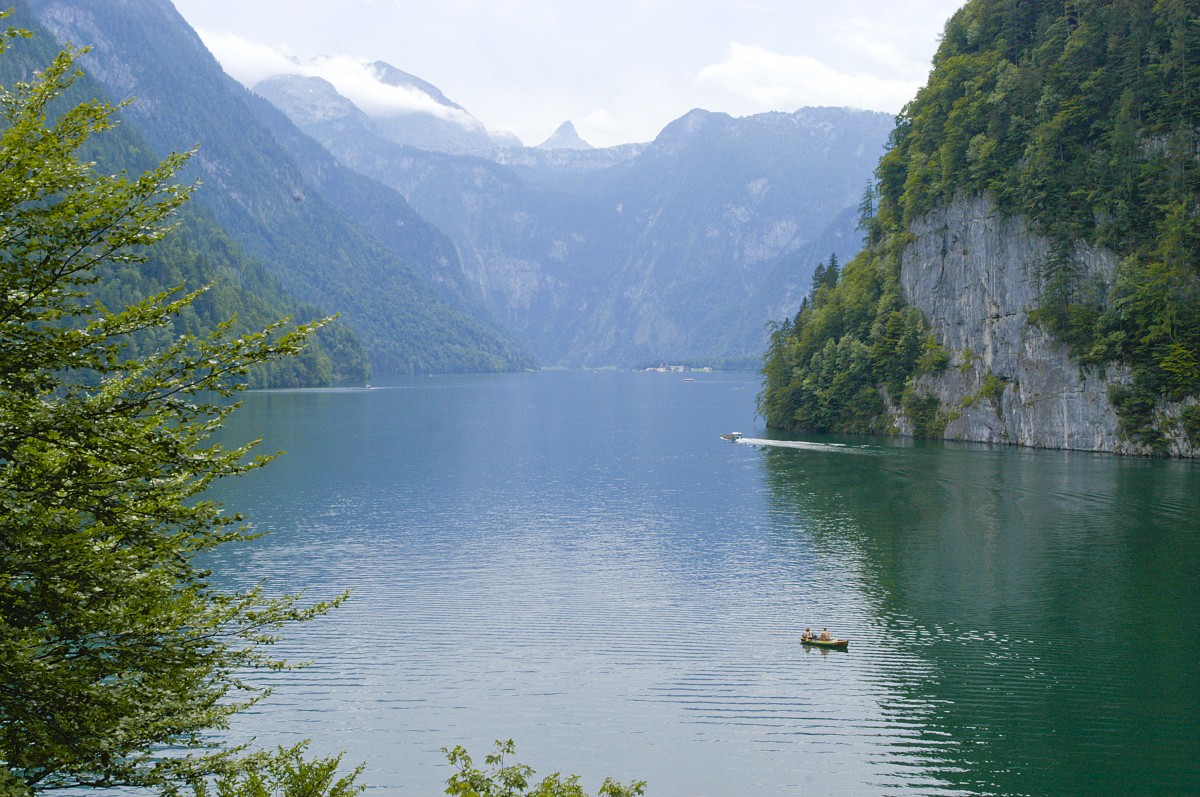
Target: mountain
[[194, 254], [565, 137], [378, 210], [682, 249], [670, 250], [282, 210], [406, 110], [1032, 273], [709, 210], [445, 127]]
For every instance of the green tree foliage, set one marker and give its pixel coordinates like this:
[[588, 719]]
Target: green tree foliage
[[502, 779], [286, 773], [824, 369], [1084, 118], [118, 655], [259, 195], [197, 253]]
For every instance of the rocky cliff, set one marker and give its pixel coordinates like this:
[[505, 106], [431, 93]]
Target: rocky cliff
[[1032, 267], [976, 275]]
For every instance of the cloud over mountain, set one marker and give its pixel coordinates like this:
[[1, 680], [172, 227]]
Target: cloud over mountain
[[356, 79], [764, 79]]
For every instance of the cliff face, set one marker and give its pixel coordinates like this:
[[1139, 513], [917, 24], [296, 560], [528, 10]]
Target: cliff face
[[1081, 121], [975, 275]]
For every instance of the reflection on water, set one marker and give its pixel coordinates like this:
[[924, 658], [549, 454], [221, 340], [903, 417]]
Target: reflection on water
[[1050, 600], [576, 561]]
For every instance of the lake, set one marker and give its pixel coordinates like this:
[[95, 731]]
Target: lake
[[575, 560]]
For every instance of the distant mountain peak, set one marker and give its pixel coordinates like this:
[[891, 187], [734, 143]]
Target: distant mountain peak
[[394, 104], [312, 98], [565, 137], [387, 74]]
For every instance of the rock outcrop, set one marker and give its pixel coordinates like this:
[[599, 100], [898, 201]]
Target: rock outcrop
[[976, 274]]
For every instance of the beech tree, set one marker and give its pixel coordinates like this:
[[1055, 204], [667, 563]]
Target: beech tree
[[500, 778], [119, 654]]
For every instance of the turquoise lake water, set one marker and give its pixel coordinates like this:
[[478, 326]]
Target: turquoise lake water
[[575, 560]]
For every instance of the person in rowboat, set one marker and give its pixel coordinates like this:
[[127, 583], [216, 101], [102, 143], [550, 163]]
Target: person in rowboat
[[825, 637], [807, 635]]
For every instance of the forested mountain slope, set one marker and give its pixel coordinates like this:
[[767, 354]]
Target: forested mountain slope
[[1033, 267], [196, 254], [268, 202]]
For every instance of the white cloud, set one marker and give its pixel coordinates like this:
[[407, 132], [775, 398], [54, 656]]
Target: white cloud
[[246, 61], [878, 45], [762, 80], [250, 62], [498, 61], [359, 82], [600, 124]]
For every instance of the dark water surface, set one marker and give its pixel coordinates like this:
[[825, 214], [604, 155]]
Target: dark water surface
[[576, 561]]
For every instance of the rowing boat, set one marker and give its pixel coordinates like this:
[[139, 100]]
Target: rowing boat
[[839, 644]]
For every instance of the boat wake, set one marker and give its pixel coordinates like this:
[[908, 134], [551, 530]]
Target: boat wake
[[840, 448]]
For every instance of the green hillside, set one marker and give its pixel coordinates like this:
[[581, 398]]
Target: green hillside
[[196, 254], [263, 199], [1085, 119]]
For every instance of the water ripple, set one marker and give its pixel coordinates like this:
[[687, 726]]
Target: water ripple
[[628, 601]]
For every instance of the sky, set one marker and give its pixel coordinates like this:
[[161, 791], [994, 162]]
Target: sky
[[619, 70]]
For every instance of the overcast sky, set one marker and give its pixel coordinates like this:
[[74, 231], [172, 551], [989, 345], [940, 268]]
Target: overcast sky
[[621, 70]]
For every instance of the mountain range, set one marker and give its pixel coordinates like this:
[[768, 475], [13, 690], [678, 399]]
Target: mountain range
[[680, 249], [447, 248]]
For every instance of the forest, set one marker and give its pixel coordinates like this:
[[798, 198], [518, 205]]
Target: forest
[[197, 254], [1081, 117]]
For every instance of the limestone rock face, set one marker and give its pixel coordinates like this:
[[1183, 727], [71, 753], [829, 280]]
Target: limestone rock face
[[976, 275]]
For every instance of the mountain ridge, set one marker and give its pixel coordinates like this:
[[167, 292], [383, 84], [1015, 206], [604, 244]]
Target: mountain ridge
[[195, 253], [616, 256], [264, 199], [605, 256]]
